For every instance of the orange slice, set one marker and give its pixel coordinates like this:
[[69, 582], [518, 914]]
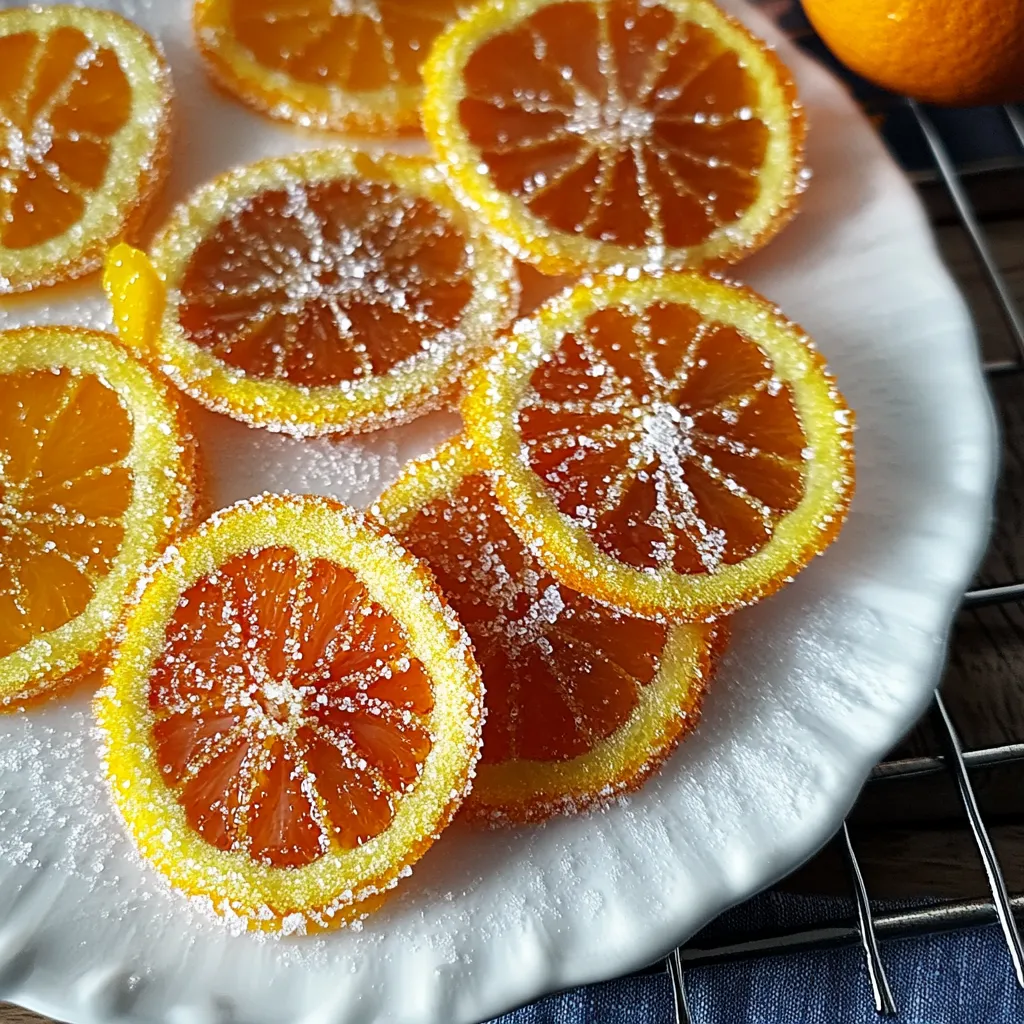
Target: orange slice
[[598, 133], [583, 702], [670, 445], [292, 716], [320, 292], [96, 472], [85, 103], [347, 65]]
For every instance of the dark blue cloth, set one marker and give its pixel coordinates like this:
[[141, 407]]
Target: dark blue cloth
[[957, 978]]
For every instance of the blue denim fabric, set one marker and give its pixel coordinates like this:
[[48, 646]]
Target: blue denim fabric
[[958, 978]]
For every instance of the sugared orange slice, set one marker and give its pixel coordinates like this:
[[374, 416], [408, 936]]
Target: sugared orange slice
[[670, 445], [96, 472], [320, 292], [583, 702], [598, 133], [348, 65], [292, 716], [85, 103]]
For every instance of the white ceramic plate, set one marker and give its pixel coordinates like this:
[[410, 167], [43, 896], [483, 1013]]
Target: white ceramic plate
[[820, 682]]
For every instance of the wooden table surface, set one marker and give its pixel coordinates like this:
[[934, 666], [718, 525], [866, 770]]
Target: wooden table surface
[[910, 836]]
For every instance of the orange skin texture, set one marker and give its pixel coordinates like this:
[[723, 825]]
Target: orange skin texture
[[948, 52]]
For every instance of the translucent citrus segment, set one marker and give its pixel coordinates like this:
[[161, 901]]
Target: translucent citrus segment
[[670, 445], [597, 133], [96, 473], [320, 292], [293, 714], [346, 65], [583, 702], [536, 288], [85, 104]]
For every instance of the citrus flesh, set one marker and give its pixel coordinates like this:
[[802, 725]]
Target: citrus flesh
[[320, 292], [583, 702], [293, 715], [96, 473], [669, 445], [597, 133], [85, 102], [352, 65]]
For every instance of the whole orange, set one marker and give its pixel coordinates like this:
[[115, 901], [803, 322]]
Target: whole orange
[[956, 52]]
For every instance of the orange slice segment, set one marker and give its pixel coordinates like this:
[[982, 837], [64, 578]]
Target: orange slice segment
[[320, 292], [347, 65], [670, 445], [583, 702], [598, 133], [292, 716], [85, 102], [96, 472]]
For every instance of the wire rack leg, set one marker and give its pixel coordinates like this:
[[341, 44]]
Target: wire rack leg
[[1011, 313], [674, 964], [884, 1002], [1016, 119], [996, 882]]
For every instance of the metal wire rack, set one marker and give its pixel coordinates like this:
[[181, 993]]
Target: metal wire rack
[[871, 929]]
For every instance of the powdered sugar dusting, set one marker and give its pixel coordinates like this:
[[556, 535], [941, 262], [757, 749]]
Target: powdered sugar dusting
[[350, 260], [645, 426]]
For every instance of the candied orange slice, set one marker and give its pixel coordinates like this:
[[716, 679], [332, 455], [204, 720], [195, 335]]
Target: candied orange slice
[[320, 292], [583, 702], [96, 472], [292, 716], [598, 133], [670, 445], [347, 65], [85, 102]]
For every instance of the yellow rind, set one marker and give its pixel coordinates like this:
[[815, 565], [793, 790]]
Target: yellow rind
[[553, 251], [498, 388], [138, 151], [163, 464], [136, 297], [409, 389], [522, 790], [325, 892]]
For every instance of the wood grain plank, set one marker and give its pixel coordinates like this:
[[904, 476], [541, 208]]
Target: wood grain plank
[[11, 1014]]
